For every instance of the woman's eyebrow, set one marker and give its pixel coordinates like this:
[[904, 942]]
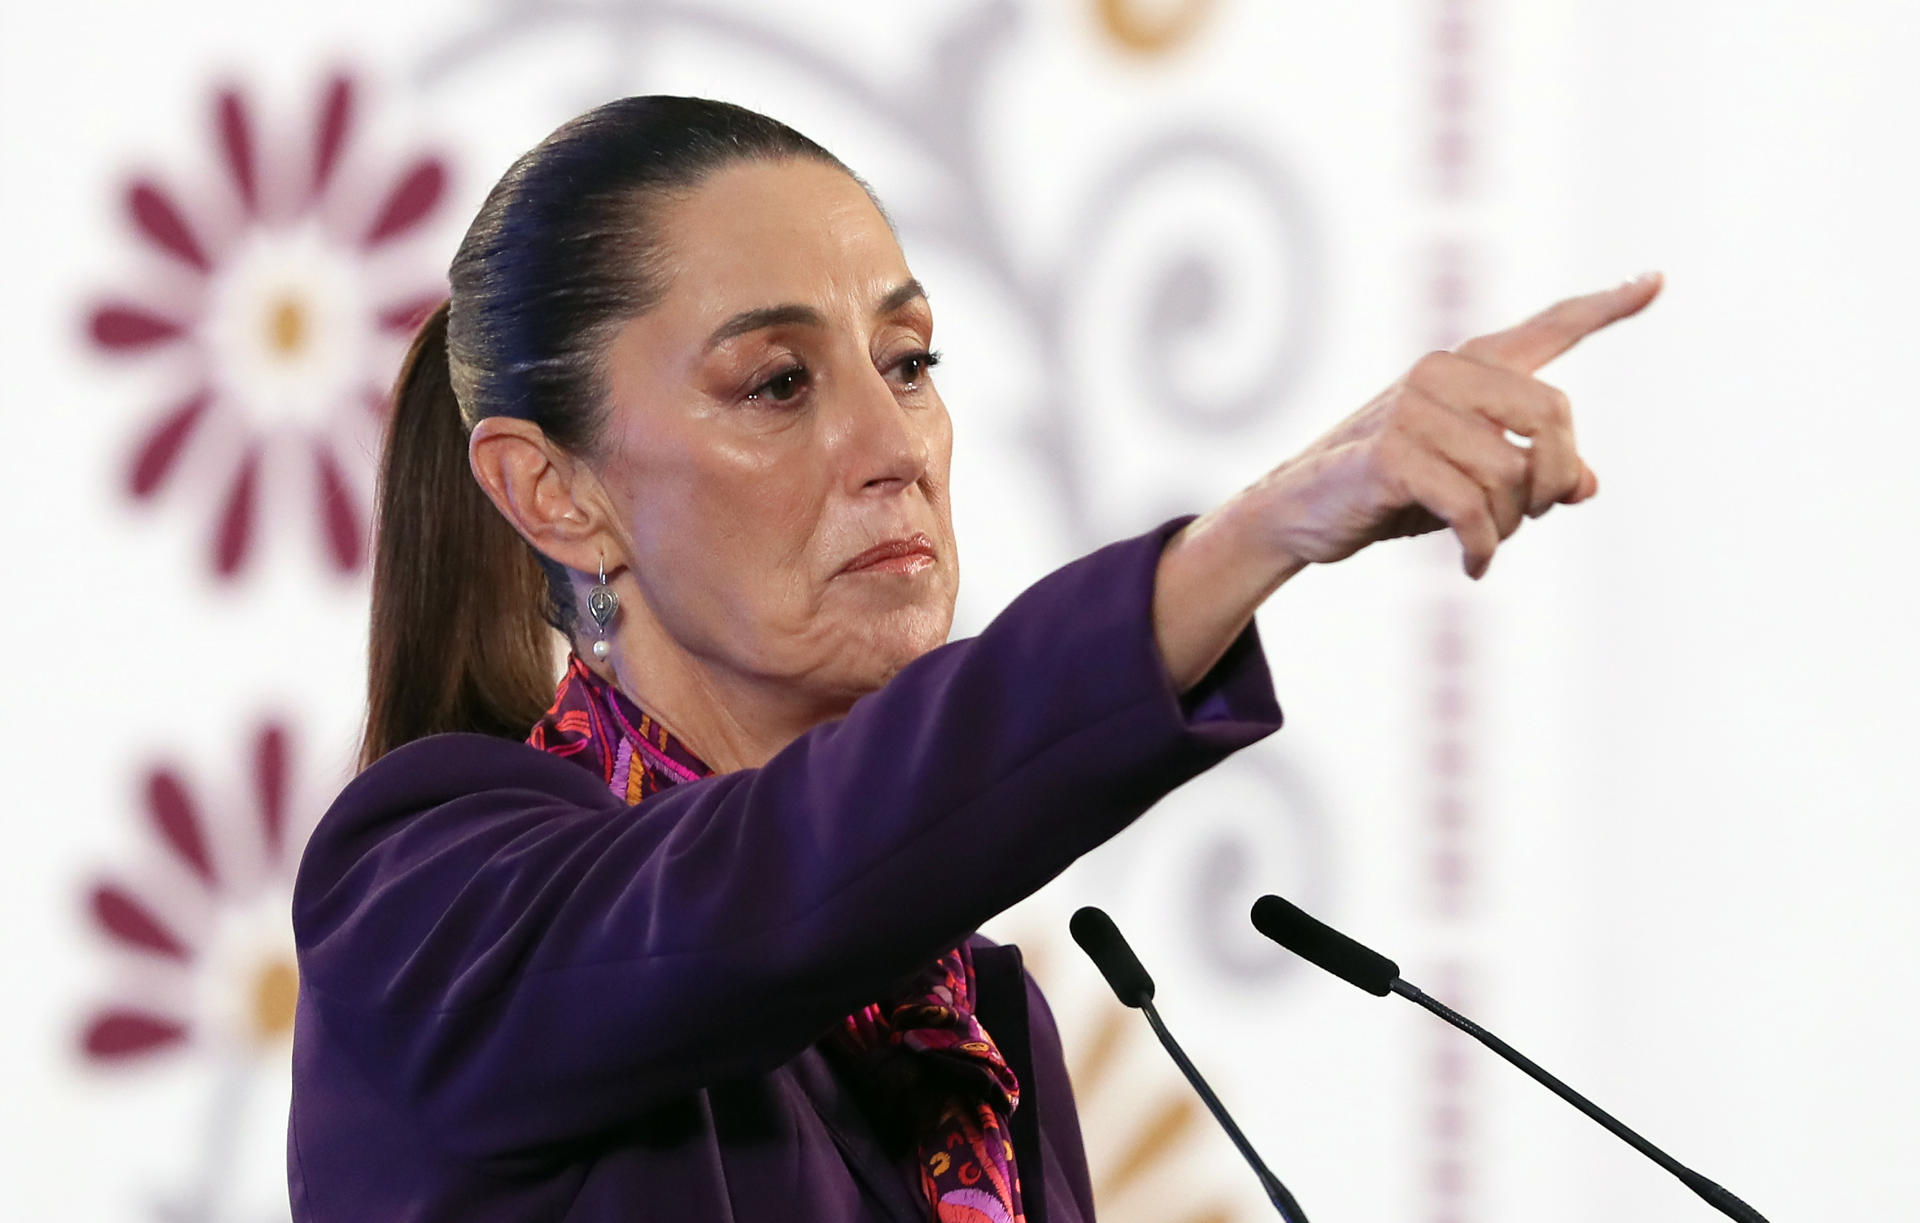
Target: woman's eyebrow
[[765, 316], [806, 316], [909, 290]]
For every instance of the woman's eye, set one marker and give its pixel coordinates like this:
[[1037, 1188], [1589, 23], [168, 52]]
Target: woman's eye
[[914, 366], [782, 386]]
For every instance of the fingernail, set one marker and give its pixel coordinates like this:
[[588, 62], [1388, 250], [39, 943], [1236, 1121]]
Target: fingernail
[[1642, 278]]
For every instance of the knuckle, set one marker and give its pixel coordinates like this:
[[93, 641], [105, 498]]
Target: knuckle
[[1397, 422], [1512, 466], [1466, 510], [1559, 408], [1428, 370]]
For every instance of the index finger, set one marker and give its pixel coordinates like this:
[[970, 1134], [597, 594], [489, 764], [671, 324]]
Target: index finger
[[1527, 346]]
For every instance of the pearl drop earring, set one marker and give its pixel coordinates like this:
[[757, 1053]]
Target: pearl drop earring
[[602, 605]]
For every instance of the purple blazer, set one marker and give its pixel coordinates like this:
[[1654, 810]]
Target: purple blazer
[[521, 1000]]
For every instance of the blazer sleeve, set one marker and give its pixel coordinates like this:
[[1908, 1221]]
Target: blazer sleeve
[[523, 961]]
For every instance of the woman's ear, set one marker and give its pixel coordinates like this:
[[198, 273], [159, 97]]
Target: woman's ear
[[549, 496]]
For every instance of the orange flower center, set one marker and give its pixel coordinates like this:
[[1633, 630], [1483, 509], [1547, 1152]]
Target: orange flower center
[[287, 327], [1152, 28], [275, 989]]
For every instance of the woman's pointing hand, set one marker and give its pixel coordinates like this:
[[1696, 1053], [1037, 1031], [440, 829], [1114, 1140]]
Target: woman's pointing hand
[[1431, 452]]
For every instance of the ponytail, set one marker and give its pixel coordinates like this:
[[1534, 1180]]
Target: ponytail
[[459, 641]]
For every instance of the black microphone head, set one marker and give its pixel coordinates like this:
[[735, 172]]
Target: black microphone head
[[1287, 925], [1100, 939]]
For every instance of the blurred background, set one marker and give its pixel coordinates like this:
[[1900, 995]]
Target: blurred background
[[1641, 800]]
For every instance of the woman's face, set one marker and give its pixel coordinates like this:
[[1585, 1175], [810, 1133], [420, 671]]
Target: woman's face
[[771, 420]]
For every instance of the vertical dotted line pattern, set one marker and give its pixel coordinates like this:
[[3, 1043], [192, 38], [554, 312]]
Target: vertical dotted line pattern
[[1448, 881]]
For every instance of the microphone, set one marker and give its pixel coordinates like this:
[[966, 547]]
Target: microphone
[[1101, 940], [1315, 941]]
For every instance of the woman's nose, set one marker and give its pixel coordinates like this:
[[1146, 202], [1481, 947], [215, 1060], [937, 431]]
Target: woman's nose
[[881, 442]]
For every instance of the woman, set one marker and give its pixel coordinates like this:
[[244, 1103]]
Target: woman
[[695, 941]]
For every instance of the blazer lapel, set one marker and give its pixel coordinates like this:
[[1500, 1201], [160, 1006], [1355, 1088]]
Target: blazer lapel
[[854, 1135], [1000, 1003]]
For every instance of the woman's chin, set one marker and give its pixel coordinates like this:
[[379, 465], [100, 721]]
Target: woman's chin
[[891, 639]]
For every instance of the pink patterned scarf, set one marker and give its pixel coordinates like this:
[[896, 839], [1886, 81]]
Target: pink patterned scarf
[[922, 1056]]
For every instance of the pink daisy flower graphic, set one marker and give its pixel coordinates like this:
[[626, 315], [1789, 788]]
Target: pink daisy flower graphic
[[205, 945], [279, 294]]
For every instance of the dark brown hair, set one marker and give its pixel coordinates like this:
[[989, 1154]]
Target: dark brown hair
[[563, 251]]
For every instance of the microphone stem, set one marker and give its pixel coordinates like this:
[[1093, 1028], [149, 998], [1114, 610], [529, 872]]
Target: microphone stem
[[1714, 1194], [1276, 1192]]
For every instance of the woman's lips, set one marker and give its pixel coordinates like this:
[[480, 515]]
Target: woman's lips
[[909, 555]]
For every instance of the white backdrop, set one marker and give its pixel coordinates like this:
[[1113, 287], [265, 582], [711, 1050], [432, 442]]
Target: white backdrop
[[1639, 799]]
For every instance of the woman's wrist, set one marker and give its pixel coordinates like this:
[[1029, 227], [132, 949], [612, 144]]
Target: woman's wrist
[[1212, 576]]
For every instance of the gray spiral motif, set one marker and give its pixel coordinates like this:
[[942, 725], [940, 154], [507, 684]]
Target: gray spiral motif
[[1247, 257]]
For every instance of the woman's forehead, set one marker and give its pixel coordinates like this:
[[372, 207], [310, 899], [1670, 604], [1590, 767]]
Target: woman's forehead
[[792, 242], [765, 235]]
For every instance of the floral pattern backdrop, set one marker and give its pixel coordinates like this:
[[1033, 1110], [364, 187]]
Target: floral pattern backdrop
[[1169, 242], [276, 311]]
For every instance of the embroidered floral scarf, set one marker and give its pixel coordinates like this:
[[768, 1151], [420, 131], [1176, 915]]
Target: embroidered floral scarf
[[921, 1056]]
